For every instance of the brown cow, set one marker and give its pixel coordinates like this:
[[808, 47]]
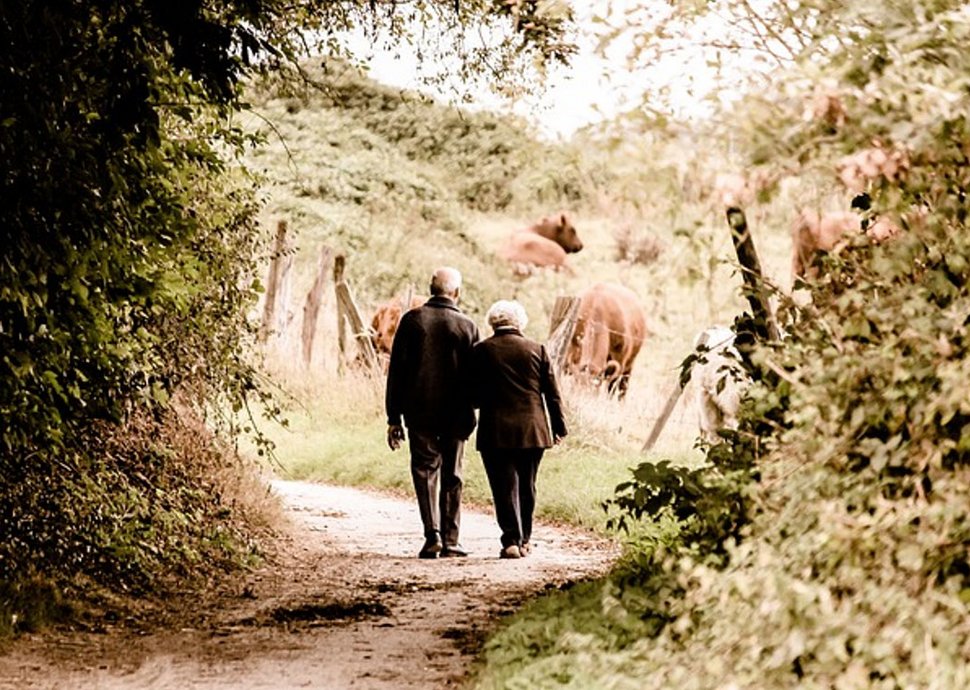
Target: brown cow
[[813, 235], [858, 170], [542, 245], [560, 231], [527, 251], [609, 332], [386, 318]]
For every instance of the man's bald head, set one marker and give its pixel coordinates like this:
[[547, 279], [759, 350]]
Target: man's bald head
[[446, 282]]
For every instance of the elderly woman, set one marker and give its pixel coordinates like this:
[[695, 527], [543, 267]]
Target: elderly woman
[[512, 377]]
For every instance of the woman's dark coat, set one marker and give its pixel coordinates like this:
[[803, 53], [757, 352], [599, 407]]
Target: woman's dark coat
[[511, 378]]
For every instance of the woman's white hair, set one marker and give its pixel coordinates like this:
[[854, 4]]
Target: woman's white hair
[[506, 313]]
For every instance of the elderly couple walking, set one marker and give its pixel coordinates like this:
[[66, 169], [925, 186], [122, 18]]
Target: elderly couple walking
[[439, 373]]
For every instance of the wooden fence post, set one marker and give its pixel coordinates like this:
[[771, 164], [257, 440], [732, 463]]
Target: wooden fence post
[[561, 326], [754, 291], [661, 422], [754, 287], [339, 263], [311, 308], [274, 307], [348, 312]]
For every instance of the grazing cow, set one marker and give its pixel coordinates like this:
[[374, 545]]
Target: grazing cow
[[719, 381], [610, 328], [386, 318], [813, 235], [542, 245]]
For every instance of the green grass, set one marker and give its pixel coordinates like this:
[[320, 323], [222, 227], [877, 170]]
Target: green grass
[[336, 434], [559, 640]]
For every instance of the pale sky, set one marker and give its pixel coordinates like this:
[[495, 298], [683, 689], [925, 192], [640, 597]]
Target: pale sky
[[594, 87]]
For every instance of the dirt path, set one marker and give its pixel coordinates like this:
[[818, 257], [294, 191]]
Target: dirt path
[[345, 605]]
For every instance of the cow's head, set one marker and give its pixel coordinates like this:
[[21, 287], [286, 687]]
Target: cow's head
[[383, 325], [588, 371], [561, 231], [595, 379]]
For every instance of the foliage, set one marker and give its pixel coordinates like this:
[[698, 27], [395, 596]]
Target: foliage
[[482, 160], [129, 245], [637, 246]]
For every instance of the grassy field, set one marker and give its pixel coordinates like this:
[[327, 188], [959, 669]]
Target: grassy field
[[842, 577], [336, 426]]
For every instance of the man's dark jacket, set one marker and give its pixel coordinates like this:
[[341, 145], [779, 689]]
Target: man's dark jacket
[[427, 381], [511, 377]]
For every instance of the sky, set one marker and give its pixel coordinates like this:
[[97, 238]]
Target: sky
[[592, 88], [595, 86]]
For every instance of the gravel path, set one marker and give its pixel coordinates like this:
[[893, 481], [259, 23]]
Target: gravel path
[[344, 604]]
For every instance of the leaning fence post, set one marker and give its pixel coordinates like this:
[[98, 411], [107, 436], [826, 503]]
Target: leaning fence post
[[661, 422], [347, 311], [311, 309], [274, 307], [754, 288], [561, 327]]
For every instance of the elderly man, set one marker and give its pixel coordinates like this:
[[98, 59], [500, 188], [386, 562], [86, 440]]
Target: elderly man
[[426, 390], [513, 384]]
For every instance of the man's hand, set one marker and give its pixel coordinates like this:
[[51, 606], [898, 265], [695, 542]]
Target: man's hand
[[395, 436]]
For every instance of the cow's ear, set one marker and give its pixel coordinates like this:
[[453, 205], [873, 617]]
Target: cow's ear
[[562, 219]]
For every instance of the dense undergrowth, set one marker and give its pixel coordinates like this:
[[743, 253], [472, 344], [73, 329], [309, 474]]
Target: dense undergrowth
[[129, 239]]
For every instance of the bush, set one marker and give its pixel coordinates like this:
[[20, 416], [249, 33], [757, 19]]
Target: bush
[[636, 247]]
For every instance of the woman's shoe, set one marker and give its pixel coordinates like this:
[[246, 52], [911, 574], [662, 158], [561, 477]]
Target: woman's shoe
[[525, 549], [510, 551]]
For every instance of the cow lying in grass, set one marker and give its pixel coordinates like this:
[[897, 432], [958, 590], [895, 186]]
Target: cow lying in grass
[[542, 245]]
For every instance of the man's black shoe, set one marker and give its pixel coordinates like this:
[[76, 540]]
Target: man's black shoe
[[431, 548], [454, 551]]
